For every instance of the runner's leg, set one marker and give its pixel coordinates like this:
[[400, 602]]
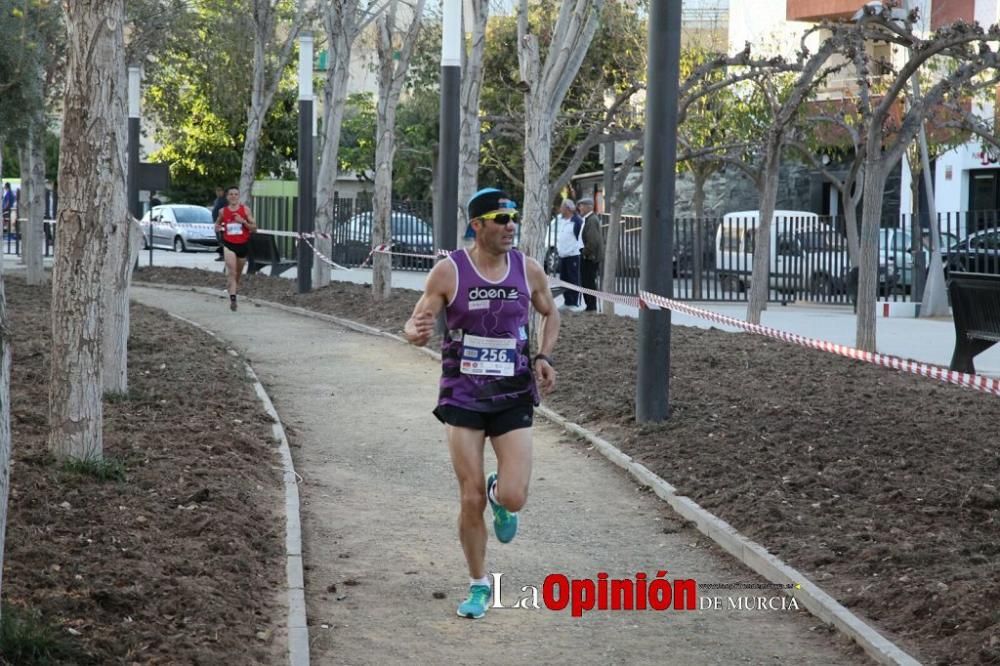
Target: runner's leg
[[466, 448], [513, 450], [231, 271]]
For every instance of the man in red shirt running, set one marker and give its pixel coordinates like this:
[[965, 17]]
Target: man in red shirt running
[[235, 223]]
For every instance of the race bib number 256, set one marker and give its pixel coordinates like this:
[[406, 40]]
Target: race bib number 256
[[488, 356]]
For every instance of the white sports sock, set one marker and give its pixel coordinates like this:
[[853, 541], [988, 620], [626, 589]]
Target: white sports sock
[[485, 580]]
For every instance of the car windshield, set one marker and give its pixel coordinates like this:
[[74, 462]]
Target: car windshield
[[408, 224], [193, 215]]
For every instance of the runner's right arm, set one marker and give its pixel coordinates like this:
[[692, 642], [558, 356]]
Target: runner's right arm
[[440, 284]]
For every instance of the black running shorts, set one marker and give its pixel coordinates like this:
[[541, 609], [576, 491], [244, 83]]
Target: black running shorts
[[241, 250], [493, 424]]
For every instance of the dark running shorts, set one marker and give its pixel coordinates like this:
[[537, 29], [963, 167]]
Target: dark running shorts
[[493, 423], [241, 250]]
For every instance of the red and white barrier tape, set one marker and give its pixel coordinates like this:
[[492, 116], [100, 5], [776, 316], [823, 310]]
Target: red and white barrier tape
[[654, 301], [975, 382], [322, 256], [621, 299]]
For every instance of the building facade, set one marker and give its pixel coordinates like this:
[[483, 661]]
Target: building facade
[[966, 178]]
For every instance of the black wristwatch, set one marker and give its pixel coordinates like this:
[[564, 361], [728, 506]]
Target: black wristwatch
[[542, 357]]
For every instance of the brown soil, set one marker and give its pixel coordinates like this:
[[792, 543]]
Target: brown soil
[[181, 562], [880, 486]]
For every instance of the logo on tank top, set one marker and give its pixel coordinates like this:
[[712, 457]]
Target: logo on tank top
[[493, 293]]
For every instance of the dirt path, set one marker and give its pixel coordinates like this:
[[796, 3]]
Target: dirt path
[[379, 507]]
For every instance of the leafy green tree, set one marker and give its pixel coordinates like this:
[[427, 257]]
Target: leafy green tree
[[357, 138], [197, 91]]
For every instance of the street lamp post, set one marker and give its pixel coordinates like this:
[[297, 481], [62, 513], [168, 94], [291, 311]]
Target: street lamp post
[[134, 91], [446, 227], [653, 387], [305, 162]]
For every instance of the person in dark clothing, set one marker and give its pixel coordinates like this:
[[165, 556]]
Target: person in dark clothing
[[220, 203], [154, 200], [592, 252]]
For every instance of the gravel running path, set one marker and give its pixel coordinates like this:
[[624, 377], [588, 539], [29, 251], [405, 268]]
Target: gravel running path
[[384, 570]]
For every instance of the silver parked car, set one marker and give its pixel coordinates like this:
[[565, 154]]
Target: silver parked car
[[180, 227]]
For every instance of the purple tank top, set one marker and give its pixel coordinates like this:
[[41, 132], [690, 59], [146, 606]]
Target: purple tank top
[[484, 355]]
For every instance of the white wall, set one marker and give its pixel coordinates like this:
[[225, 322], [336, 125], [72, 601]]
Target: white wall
[[763, 24]]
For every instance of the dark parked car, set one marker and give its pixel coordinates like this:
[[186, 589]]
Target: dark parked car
[[977, 253], [352, 240]]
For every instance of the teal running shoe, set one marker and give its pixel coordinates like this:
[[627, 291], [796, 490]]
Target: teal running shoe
[[474, 607], [504, 522]]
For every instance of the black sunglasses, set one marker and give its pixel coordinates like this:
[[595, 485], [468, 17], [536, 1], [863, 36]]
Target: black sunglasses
[[502, 218]]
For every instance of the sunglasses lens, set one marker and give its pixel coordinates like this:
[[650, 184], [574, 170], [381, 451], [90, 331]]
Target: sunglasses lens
[[504, 218]]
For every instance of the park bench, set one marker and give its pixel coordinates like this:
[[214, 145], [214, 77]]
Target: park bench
[[975, 304], [264, 252]]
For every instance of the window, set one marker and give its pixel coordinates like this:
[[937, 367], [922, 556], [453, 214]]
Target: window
[[193, 215]]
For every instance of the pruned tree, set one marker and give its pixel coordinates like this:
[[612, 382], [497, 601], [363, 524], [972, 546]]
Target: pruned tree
[[622, 188], [39, 68], [395, 48], [545, 84], [272, 49], [811, 70], [469, 131], [889, 129], [92, 204], [837, 131], [343, 21]]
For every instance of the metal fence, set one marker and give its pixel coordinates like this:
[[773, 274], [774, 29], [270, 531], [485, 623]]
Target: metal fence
[[411, 229], [13, 241], [712, 258]]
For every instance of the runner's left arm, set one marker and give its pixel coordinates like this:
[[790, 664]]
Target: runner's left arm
[[541, 299], [251, 223]]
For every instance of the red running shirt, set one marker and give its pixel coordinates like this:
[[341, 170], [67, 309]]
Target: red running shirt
[[232, 231]]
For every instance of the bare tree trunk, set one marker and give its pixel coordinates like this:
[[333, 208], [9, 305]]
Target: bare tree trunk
[[609, 276], [546, 86], [123, 250], [394, 61], [20, 226], [33, 198], [760, 278], [537, 197], [5, 448], [385, 150], [469, 140], [850, 196], [697, 228], [871, 215], [259, 103], [93, 202], [341, 30]]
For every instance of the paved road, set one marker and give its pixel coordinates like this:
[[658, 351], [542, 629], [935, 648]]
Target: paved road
[[380, 503]]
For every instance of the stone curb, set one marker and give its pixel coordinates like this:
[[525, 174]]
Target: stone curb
[[750, 553], [298, 629]]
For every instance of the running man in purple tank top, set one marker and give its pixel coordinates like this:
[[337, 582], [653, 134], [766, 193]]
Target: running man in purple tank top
[[489, 380]]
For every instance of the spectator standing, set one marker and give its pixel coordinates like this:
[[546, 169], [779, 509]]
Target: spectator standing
[[154, 200], [568, 245], [592, 252], [8, 206]]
